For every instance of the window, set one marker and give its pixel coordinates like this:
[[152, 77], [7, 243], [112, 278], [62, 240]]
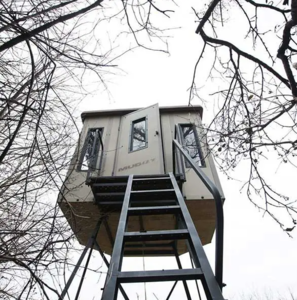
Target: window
[[191, 142], [90, 151], [138, 139]]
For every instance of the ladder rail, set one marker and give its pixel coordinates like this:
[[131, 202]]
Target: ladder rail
[[211, 286], [219, 210], [185, 231], [111, 289]]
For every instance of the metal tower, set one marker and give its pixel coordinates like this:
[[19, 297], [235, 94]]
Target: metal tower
[[146, 195]]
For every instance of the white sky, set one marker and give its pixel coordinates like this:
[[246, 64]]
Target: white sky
[[258, 256]]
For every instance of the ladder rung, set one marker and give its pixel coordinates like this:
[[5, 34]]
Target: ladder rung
[[163, 275], [156, 235], [151, 178], [153, 210], [152, 191], [138, 202]]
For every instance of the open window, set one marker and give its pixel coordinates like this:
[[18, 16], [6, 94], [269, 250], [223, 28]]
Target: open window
[[191, 143], [138, 139], [90, 150]]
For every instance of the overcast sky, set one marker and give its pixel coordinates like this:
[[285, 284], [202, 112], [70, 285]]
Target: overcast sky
[[258, 256]]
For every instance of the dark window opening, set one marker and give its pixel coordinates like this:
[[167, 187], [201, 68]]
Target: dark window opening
[[191, 143], [138, 135], [90, 151]]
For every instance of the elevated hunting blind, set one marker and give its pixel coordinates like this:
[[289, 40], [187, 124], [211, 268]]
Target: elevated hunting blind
[[143, 178]]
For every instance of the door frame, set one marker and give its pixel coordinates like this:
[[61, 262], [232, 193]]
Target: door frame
[[160, 147]]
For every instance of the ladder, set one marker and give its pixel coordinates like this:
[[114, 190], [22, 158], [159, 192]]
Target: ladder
[[185, 231]]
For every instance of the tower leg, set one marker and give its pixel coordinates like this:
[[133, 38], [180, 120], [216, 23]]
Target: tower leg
[[107, 264], [84, 272], [180, 267], [172, 289], [90, 243]]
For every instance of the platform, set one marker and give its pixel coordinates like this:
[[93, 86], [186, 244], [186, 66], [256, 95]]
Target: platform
[[108, 194]]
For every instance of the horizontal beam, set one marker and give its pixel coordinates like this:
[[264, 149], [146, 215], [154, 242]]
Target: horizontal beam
[[109, 184], [114, 194], [180, 234], [153, 210], [138, 202], [152, 191], [163, 275], [148, 245], [145, 252]]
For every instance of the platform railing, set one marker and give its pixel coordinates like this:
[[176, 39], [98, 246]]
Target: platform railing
[[217, 198], [178, 165]]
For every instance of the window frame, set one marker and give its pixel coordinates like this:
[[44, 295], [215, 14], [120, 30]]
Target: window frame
[[198, 144], [84, 148], [130, 147]]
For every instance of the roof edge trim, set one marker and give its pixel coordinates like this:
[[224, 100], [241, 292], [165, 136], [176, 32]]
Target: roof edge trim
[[121, 112]]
